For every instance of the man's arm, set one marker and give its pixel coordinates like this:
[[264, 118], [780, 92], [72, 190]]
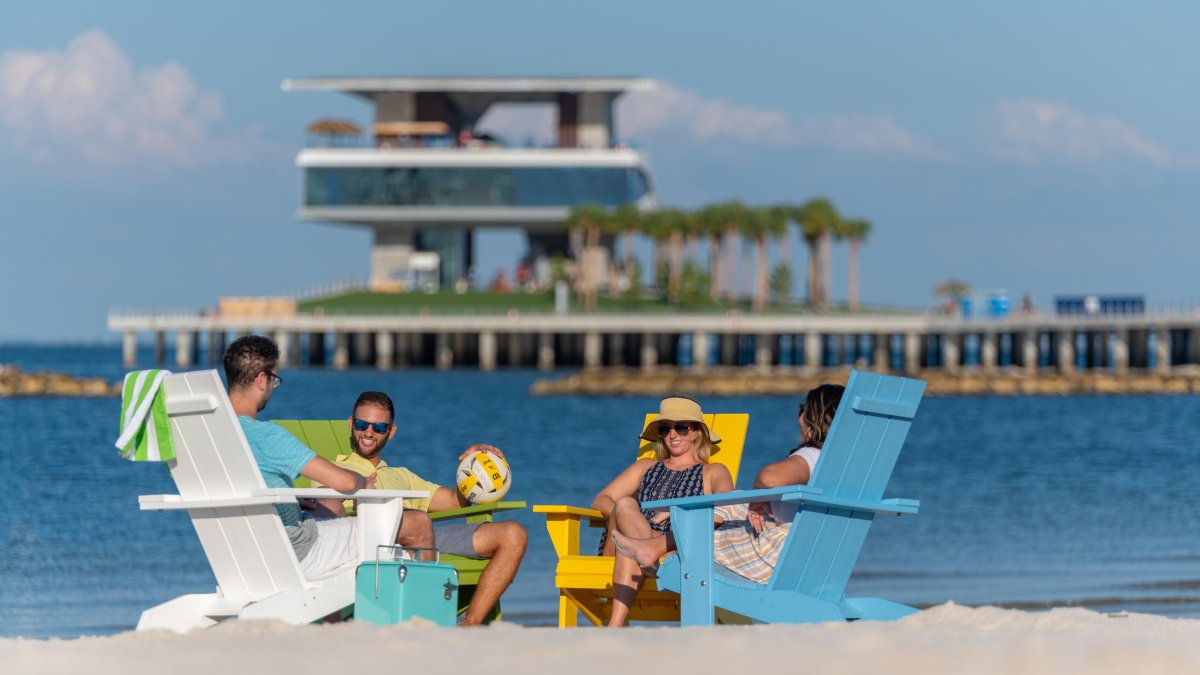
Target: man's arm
[[445, 499], [330, 475], [790, 471]]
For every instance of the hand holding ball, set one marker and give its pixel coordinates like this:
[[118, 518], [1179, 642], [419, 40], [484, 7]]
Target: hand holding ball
[[483, 477]]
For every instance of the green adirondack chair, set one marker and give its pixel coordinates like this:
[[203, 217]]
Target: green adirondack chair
[[330, 438]]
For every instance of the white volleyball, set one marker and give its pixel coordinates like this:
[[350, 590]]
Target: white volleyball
[[483, 477]]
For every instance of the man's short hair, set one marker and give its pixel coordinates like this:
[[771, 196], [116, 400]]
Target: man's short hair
[[378, 398], [248, 356]]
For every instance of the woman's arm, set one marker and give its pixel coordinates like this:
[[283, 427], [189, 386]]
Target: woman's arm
[[717, 479], [790, 471], [624, 485]]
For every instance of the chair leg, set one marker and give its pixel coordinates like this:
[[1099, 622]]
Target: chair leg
[[568, 613], [874, 609]]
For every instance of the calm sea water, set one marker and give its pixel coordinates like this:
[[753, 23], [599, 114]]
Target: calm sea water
[[1026, 502]]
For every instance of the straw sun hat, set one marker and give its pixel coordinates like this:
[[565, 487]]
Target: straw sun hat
[[678, 409]]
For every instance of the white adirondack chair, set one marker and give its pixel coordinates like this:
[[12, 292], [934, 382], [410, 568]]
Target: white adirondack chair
[[221, 488]]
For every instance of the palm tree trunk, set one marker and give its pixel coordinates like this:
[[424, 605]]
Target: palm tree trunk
[[629, 234], [853, 282], [813, 292], [826, 267], [733, 251], [592, 254], [676, 267], [714, 268], [760, 274]]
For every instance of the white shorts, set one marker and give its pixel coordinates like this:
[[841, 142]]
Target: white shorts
[[336, 545]]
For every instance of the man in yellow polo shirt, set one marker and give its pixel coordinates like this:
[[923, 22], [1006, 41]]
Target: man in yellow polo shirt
[[502, 543]]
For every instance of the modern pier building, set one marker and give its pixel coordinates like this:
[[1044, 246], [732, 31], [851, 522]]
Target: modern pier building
[[426, 176]]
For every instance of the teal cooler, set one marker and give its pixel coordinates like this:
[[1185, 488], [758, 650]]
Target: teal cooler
[[391, 591]]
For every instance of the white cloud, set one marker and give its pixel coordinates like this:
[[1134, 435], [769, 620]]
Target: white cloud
[[1031, 130], [644, 115], [89, 102]]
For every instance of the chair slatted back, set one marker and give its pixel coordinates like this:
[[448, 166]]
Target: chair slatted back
[[856, 462], [247, 547]]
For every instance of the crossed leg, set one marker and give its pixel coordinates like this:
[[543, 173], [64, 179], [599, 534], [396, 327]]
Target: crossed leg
[[626, 521]]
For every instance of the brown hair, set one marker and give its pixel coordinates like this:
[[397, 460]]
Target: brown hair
[[818, 410], [248, 356], [377, 398]]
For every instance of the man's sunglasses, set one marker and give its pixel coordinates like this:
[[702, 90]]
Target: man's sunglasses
[[275, 379], [377, 427], [681, 428]]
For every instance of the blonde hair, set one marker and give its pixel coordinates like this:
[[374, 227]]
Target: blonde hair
[[702, 452]]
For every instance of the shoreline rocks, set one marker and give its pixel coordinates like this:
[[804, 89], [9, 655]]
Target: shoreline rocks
[[791, 381], [16, 382]]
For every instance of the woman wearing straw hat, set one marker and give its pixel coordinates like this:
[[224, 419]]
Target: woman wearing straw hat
[[680, 468]]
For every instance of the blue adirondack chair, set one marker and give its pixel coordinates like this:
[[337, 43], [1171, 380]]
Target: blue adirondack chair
[[834, 512]]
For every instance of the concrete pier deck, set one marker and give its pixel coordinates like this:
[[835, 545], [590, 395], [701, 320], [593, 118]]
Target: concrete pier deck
[[909, 343]]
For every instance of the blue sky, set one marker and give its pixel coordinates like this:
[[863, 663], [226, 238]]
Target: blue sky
[[1042, 150]]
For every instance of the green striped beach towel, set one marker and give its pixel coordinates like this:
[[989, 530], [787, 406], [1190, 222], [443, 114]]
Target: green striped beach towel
[[145, 433]]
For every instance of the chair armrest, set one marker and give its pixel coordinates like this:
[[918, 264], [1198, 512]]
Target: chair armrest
[[735, 497], [562, 523], [578, 512], [175, 502], [477, 512], [883, 507], [329, 493]]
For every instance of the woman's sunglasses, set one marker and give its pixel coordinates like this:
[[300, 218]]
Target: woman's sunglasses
[[377, 427], [681, 428]]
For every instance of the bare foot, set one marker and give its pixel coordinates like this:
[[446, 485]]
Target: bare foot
[[638, 549]]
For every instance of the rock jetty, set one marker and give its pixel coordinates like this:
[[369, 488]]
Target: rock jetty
[[16, 382], [746, 382]]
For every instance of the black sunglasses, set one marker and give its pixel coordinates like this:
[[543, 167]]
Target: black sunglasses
[[275, 379], [681, 428], [377, 427]]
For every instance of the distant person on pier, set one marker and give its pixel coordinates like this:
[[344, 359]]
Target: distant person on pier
[[503, 543], [499, 283], [750, 537], [680, 468], [321, 543]]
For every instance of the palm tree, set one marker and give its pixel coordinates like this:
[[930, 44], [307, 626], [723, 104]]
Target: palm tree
[[629, 220], [588, 220], [818, 222], [719, 221], [657, 228], [763, 223], [784, 214], [855, 231]]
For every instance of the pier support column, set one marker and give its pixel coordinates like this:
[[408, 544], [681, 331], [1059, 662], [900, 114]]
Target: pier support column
[[385, 358], [812, 352], [880, 352], [443, 357], [700, 350], [1029, 352], [129, 349], [183, 349], [283, 340], [649, 353], [160, 348], [950, 352], [1194, 345], [1162, 351], [987, 351], [487, 350], [912, 352], [593, 350], [545, 357], [1120, 351], [341, 350], [1066, 352], [616, 349], [764, 355]]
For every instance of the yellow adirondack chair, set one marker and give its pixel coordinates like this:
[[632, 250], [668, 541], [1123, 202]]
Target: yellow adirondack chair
[[584, 582], [330, 438]]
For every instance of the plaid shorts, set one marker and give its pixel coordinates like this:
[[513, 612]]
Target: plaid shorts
[[748, 553]]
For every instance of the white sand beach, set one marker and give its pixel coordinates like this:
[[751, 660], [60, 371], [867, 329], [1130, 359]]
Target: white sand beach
[[944, 639]]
